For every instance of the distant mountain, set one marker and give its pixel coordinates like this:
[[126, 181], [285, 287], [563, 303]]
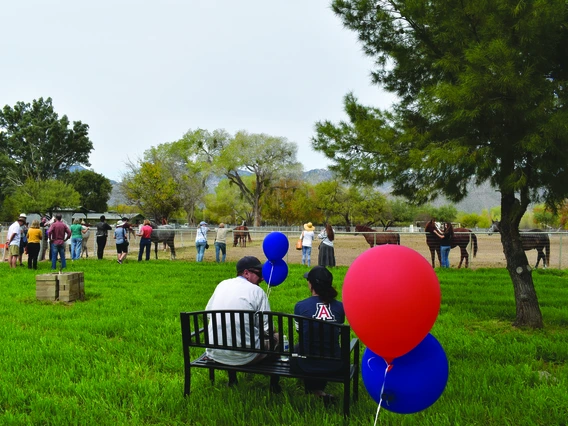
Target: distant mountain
[[316, 176], [479, 198], [79, 168]]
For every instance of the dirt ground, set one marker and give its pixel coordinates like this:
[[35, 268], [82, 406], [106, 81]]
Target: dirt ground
[[349, 246]]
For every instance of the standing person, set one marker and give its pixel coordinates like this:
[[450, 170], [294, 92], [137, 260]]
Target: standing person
[[44, 225], [121, 237], [242, 292], [102, 234], [77, 231], [13, 241], [128, 227], [307, 240], [58, 234], [86, 235], [201, 240], [35, 234], [446, 243], [221, 242], [23, 239], [145, 234], [326, 256], [320, 305]]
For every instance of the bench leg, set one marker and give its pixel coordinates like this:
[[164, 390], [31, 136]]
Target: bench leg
[[275, 384], [212, 375], [232, 378], [187, 382], [346, 397]]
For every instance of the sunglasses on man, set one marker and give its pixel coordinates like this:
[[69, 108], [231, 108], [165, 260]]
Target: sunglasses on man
[[256, 272]]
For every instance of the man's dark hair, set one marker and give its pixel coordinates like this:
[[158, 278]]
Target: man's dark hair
[[103, 218], [58, 216]]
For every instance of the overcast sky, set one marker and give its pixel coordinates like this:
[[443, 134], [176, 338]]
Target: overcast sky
[[142, 73]]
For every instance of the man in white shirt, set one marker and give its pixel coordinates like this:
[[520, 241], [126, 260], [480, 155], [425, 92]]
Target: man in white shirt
[[241, 293], [13, 240]]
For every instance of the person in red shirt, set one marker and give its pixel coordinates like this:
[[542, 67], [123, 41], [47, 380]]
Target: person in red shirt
[[145, 234], [58, 234]]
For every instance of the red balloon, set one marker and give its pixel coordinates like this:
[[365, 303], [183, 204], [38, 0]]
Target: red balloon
[[391, 297]]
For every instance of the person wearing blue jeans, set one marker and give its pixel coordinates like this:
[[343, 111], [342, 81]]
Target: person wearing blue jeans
[[58, 234], [77, 232], [145, 234], [221, 242], [307, 238], [446, 243], [201, 240]]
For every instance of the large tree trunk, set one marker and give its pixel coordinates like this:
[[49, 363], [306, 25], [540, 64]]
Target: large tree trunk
[[256, 213], [528, 310]]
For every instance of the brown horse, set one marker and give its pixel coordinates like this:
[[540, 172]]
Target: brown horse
[[378, 238], [532, 239], [461, 238], [240, 236]]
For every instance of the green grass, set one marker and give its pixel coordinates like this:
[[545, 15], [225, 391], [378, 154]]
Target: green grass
[[116, 358]]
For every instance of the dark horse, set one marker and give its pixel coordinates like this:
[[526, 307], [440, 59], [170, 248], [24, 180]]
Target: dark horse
[[537, 239], [461, 238], [375, 237], [163, 234], [240, 236]]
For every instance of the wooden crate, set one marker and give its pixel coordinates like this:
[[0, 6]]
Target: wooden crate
[[65, 287], [47, 287]]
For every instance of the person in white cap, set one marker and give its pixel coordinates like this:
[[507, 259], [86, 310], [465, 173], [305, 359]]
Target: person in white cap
[[201, 240], [13, 240]]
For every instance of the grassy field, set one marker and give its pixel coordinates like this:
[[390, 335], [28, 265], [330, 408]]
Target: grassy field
[[116, 358]]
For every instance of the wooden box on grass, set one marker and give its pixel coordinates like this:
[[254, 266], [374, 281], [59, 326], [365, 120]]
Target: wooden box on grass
[[65, 287]]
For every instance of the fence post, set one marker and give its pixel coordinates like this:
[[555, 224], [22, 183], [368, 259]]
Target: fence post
[[559, 253]]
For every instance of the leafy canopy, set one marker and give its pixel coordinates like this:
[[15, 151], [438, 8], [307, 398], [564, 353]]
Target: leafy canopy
[[481, 89], [94, 189], [36, 144]]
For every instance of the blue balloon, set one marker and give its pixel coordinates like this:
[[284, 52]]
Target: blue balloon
[[274, 272], [415, 381], [275, 245]]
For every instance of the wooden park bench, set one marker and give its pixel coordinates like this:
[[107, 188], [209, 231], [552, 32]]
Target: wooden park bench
[[195, 335]]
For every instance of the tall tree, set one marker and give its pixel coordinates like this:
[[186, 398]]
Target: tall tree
[[93, 188], [267, 158], [481, 95], [43, 196], [151, 187], [189, 171], [227, 204], [35, 143], [289, 202]]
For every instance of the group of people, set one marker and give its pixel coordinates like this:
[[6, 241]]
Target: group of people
[[29, 240], [121, 236], [243, 292], [220, 243], [22, 239], [54, 233], [326, 256]]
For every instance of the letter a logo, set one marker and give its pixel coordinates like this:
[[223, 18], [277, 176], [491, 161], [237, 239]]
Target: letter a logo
[[323, 313]]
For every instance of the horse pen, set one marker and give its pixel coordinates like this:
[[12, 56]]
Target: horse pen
[[349, 245]]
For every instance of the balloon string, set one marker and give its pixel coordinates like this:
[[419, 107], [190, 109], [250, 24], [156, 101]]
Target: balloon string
[[382, 390], [269, 281]]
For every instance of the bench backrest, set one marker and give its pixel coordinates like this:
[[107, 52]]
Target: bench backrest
[[315, 345]]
